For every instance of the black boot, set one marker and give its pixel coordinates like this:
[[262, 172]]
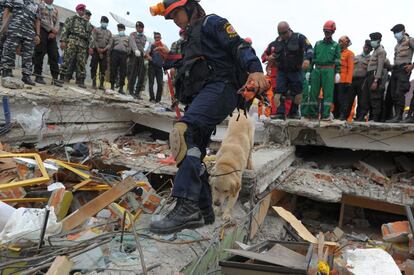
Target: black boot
[[81, 83], [6, 73], [27, 80], [409, 118], [94, 83], [113, 86], [342, 117], [397, 118], [121, 91], [186, 214], [101, 83], [56, 82], [39, 79]]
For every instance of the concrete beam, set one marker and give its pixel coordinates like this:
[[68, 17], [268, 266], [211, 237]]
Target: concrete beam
[[338, 134]]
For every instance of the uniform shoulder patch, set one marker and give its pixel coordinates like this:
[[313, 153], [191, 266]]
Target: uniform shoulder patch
[[230, 30]]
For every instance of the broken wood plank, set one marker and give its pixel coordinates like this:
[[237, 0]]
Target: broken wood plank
[[94, 206], [260, 215], [373, 204], [60, 266], [298, 226], [278, 255]]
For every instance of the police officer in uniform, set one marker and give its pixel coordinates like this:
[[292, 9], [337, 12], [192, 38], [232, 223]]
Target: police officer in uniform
[[293, 53], [136, 66], [23, 29], [49, 22], [373, 92], [401, 73], [101, 42], [204, 81], [76, 36]]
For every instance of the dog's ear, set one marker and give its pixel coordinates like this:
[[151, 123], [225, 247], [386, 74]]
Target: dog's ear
[[235, 189]]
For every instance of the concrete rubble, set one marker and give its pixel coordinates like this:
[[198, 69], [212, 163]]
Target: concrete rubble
[[95, 169]]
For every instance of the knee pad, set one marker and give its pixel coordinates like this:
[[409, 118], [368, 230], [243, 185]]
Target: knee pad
[[277, 100], [298, 99], [177, 142]]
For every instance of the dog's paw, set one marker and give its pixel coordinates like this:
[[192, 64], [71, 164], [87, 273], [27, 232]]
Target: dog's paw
[[226, 216]]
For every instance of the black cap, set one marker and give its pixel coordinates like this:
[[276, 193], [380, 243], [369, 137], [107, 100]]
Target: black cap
[[375, 36], [398, 28], [121, 26], [368, 43], [139, 24], [104, 19], [88, 12]]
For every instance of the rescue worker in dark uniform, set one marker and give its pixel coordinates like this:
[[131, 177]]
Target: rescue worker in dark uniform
[[293, 52], [205, 81], [401, 72], [360, 73], [23, 29]]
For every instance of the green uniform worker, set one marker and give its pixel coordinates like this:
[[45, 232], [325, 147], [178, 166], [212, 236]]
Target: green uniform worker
[[326, 66]]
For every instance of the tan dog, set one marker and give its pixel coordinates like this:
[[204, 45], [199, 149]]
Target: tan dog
[[232, 159]]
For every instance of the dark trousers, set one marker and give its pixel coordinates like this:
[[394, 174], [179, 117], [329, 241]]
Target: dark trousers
[[209, 108], [289, 81], [388, 112], [400, 85], [372, 100], [102, 62], [155, 72], [118, 67], [49, 47], [136, 74], [356, 91], [343, 99]]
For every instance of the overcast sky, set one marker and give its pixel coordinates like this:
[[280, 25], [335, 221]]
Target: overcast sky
[[258, 19]]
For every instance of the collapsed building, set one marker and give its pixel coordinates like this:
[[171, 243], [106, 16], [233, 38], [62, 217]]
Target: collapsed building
[[85, 140]]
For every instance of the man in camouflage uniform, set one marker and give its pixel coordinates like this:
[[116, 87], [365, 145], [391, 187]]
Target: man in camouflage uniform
[[101, 42], [76, 36], [49, 22], [3, 36], [23, 29], [136, 66]]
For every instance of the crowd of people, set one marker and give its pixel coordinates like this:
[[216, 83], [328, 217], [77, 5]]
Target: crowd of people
[[31, 30], [325, 81], [328, 81]]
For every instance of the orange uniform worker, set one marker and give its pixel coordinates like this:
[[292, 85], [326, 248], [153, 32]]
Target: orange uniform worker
[[343, 95]]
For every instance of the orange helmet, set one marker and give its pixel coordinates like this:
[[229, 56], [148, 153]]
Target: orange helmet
[[166, 7], [329, 26]]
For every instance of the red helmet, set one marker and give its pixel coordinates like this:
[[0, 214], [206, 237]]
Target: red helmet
[[80, 7], [329, 26]]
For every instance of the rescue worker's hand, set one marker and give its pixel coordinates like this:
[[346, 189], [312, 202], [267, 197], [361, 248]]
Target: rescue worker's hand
[[62, 45], [307, 76], [374, 86], [271, 58], [409, 68], [55, 31], [260, 82], [37, 40], [305, 65], [337, 78], [90, 51], [52, 36]]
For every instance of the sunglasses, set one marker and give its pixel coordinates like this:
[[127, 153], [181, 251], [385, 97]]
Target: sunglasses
[[283, 33]]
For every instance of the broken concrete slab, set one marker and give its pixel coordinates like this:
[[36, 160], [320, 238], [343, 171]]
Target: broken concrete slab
[[372, 173], [339, 134]]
